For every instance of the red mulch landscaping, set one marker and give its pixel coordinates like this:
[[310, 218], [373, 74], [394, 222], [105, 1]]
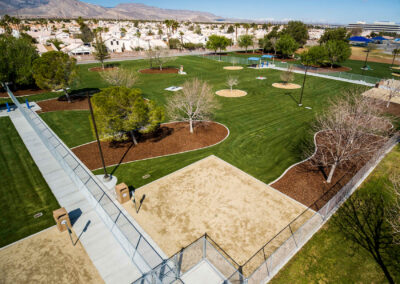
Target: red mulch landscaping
[[100, 69], [166, 70], [28, 91], [170, 138], [77, 103], [306, 182]]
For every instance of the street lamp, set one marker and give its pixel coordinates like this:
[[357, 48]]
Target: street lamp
[[106, 176]]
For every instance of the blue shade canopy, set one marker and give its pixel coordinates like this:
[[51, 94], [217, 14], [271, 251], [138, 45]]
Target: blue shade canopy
[[379, 38], [360, 39], [253, 58], [397, 39], [267, 56]]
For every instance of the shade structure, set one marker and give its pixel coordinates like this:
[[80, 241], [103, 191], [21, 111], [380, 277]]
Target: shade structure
[[379, 38], [267, 56], [253, 58], [360, 39]]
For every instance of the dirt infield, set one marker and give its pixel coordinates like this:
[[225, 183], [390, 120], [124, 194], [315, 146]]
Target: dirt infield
[[288, 86], [233, 67], [239, 212], [231, 94], [381, 94], [47, 257], [171, 138]]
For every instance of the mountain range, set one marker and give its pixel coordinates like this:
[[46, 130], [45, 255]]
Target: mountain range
[[76, 8]]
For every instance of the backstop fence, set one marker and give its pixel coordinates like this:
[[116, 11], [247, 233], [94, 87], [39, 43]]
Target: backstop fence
[[298, 68], [139, 250]]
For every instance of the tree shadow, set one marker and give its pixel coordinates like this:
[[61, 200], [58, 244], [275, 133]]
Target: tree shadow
[[78, 95], [292, 97]]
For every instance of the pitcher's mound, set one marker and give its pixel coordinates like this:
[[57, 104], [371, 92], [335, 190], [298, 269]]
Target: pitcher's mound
[[233, 67], [231, 94], [288, 86], [396, 74], [396, 68]]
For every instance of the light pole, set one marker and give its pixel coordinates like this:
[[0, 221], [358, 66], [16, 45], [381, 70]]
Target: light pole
[[106, 176]]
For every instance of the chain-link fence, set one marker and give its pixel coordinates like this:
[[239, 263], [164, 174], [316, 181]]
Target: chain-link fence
[[139, 250], [298, 68]]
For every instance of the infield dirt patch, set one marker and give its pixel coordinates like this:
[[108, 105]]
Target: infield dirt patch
[[288, 86], [48, 257], [239, 212], [231, 94], [233, 67]]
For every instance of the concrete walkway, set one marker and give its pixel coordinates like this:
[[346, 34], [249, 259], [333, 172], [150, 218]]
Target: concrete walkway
[[105, 252]]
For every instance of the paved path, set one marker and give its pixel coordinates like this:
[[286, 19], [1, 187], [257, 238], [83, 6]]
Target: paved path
[[105, 252]]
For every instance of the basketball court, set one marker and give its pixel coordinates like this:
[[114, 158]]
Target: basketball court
[[239, 212]]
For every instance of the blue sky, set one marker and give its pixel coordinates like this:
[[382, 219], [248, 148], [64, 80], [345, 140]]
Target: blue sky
[[331, 11]]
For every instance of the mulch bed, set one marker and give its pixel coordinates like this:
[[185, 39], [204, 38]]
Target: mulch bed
[[61, 103], [170, 138], [306, 182], [99, 69], [166, 70], [22, 92]]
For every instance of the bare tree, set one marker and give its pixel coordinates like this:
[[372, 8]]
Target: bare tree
[[120, 77], [150, 55], [351, 131], [232, 81], [162, 56], [361, 220], [393, 212], [393, 86], [287, 76], [195, 101]]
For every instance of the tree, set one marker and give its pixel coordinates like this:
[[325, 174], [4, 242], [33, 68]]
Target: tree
[[246, 26], [337, 51], [232, 81], [181, 33], [16, 60], [287, 75], [230, 30], [87, 35], [55, 70], [245, 41], [120, 111], [195, 101], [338, 34], [237, 25], [286, 45], [393, 88], [361, 220], [162, 56], [120, 77], [216, 42], [101, 52], [298, 31], [368, 49], [395, 52], [353, 130]]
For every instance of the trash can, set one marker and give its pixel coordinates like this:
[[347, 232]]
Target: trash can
[[59, 216], [122, 192]]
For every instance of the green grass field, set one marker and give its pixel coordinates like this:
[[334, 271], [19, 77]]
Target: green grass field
[[329, 258], [267, 128], [23, 191]]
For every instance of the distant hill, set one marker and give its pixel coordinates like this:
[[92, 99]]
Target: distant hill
[[76, 8]]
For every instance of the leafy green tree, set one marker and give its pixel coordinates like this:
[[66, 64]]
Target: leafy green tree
[[56, 42], [337, 51], [286, 45], [16, 59], [395, 52], [298, 31], [87, 35], [245, 41], [216, 42], [246, 27], [55, 70], [120, 112], [230, 30], [101, 52], [237, 25], [334, 34]]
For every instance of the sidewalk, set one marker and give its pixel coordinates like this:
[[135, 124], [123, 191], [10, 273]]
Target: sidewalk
[[103, 249]]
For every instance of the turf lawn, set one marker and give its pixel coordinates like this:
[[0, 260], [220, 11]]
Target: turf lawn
[[267, 128], [329, 258], [23, 190]]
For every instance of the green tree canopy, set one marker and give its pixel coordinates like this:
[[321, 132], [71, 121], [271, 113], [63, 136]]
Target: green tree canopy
[[286, 45], [16, 59], [54, 70], [298, 31], [315, 55], [231, 29], [101, 52], [216, 42], [337, 51], [245, 41], [120, 111], [334, 34], [87, 35]]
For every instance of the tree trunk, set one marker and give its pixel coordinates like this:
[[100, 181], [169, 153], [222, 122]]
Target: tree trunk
[[133, 137], [67, 95], [102, 65], [191, 125], [331, 172], [388, 102], [394, 57]]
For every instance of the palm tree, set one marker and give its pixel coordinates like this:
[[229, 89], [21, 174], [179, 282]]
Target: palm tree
[[174, 25], [237, 25], [395, 52], [181, 33], [246, 27], [368, 48]]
